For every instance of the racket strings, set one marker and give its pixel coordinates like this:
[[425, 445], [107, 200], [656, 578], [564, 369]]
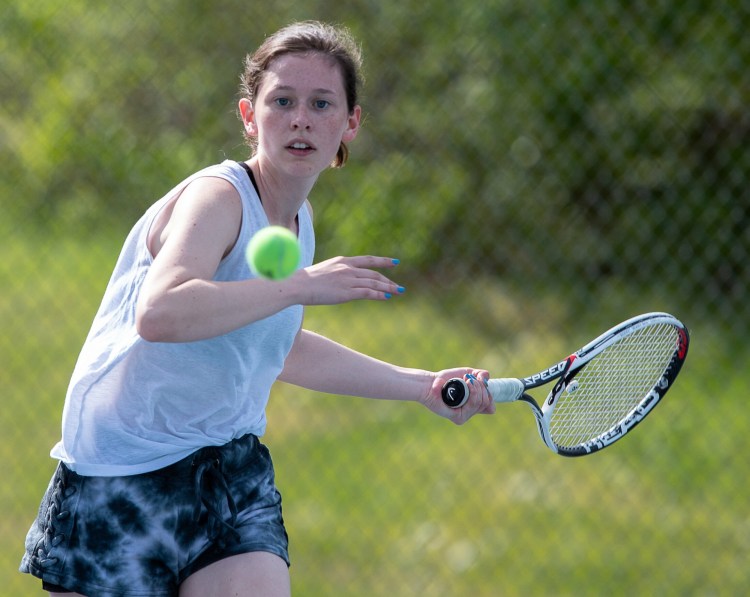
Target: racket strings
[[612, 385]]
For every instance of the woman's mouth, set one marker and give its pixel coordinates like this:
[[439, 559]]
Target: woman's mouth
[[300, 148]]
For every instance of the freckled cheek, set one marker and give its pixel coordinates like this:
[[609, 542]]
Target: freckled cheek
[[271, 130], [334, 129], [273, 123]]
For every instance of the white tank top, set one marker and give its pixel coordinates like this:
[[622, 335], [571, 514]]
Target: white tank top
[[135, 406]]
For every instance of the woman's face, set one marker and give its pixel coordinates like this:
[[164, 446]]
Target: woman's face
[[300, 115]]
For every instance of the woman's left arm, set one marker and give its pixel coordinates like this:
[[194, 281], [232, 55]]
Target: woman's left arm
[[318, 363]]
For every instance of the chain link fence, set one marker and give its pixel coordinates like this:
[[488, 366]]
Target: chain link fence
[[542, 169]]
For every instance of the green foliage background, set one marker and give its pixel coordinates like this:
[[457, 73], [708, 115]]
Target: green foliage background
[[543, 170]]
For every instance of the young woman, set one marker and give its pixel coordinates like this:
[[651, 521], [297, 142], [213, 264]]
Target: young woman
[[163, 487]]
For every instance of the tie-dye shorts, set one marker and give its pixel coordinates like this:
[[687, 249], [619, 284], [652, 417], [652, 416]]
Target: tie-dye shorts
[[145, 534]]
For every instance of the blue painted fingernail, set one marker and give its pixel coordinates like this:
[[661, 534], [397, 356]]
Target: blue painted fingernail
[[401, 289], [396, 261], [388, 295]]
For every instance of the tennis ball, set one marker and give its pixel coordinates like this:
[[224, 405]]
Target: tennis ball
[[273, 253]]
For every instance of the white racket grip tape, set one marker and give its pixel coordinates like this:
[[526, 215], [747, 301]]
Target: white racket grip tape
[[505, 389]]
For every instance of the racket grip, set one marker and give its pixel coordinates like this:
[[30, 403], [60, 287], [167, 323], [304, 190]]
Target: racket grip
[[506, 389]]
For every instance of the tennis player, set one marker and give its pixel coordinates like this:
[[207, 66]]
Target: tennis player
[[163, 487]]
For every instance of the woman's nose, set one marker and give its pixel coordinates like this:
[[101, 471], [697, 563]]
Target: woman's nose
[[301, 120]]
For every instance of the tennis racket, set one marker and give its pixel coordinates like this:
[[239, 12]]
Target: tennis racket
[[603, 390]]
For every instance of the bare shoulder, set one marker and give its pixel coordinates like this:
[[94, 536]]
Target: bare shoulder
[[211, 193], [209, 204]]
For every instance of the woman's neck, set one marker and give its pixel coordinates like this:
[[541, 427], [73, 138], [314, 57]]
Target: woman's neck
[[282, 196]]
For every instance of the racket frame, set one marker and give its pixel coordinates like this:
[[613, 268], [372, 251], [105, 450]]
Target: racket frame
[[565, 371]]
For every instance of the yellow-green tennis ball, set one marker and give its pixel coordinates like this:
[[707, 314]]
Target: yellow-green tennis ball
[[273, 253]]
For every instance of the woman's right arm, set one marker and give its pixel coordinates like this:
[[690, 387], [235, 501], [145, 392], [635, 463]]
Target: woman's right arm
[[180, 301]]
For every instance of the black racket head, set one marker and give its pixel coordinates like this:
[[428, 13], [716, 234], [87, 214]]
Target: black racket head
[[614, 382]]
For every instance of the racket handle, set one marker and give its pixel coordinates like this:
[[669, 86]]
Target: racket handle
[[505, 389]]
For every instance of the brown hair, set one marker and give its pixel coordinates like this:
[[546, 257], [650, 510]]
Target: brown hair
[[303, 37]]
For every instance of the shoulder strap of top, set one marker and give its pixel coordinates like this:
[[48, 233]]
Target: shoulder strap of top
[[252, 178]]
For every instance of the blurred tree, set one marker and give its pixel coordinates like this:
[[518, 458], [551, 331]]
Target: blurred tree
[[485, 124]]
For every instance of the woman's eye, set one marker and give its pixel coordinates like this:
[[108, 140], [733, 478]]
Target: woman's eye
[[283, 102], [321, 104]]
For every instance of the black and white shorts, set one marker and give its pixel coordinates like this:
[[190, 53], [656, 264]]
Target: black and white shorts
[[143, 535]]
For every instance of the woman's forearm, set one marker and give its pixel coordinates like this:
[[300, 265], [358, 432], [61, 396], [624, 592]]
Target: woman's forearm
[[318, 363]]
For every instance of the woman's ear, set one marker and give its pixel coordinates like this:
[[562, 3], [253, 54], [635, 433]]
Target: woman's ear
[[248, 117], [352, 125]]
